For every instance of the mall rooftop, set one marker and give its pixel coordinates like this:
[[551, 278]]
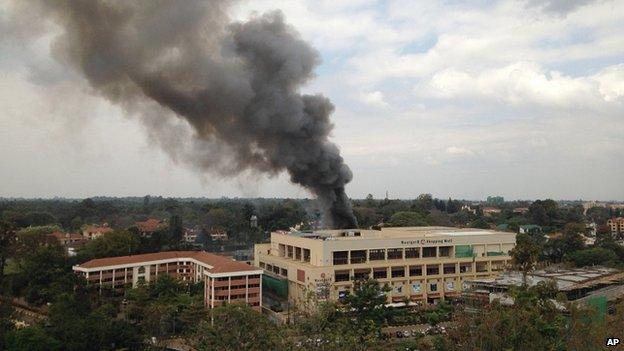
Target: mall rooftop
[[391, 233]]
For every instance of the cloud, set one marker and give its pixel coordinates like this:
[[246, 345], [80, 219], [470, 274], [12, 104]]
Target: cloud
[[373, 98], [461, 151], [561, 7], [528, 83]]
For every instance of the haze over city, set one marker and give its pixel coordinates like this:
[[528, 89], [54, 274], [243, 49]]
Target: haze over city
[[518, 98]]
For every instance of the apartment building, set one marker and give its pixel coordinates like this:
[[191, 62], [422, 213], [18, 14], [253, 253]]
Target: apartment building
[[616, 225], [225, 280], [422, 264]]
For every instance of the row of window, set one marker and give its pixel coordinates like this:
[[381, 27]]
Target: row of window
[[360, 256], [274, 269], [414, 271], [225, 279], [219, 288], [234, 297], [294, 252]]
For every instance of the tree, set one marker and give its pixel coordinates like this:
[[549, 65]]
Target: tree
[[115, 243], [524, 255], [7, 239], [31, 339], [407, 219], [423, 204], [593, 256], [237, 327]]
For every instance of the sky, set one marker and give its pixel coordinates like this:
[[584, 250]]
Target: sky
[[523, 99]]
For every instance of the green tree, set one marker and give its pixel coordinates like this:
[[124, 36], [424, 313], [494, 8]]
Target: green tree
[[31, 339], [237, 327], [593, 256], [524, 255], [115, 243], [407, 219], [7, 240]]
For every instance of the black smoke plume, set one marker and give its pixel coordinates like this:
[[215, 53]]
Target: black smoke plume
[[235, 83]]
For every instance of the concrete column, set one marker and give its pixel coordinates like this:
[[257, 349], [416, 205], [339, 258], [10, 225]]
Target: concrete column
[[212, 299], [260, 293], [229, 288], [246, 288]]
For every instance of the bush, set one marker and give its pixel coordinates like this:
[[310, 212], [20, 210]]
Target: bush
[[593, 256]]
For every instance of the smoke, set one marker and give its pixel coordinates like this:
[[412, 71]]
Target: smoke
[[235, 83]]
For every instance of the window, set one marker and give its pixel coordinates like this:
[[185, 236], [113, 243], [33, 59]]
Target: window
[[395, 254], [361, 274], [481, 267], [449, 268], [341, 276], [398, 272], [433, 269], [445, 251], [340, 257], [412, 252], [358, 256], [415, 271], [380, 273], [433, 287], [377, 254], [429, 252], [497, 266], [141, 270], [284, 272], [262, 265], [298, 253], [465, 267], [306, 255]]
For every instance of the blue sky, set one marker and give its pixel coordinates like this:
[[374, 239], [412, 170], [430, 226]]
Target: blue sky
[[464, 99]]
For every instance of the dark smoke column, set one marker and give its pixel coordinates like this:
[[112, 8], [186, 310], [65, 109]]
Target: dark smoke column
[[236, 84]]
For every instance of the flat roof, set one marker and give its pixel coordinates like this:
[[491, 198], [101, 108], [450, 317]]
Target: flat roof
[[219, 264], [566, 279], [392, 232]]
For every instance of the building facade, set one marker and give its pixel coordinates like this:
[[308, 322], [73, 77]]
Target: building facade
[[616, 225], [421, 264], [225, 280]]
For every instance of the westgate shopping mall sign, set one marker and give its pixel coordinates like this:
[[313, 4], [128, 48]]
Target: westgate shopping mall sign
[[426, 241]]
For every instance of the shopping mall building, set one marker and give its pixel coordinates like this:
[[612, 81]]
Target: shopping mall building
[[225, 280], [422, 264]]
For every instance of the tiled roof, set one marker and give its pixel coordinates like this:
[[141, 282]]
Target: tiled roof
[[219, 264], [150, 225], [97, 229]]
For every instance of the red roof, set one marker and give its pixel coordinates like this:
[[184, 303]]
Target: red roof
[[97, 229], [220, 264], [149, 226]]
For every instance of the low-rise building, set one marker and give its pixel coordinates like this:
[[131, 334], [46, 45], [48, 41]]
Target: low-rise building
[[67, 238], [218, 235], [225, 280], [149, 226], [529, 229], [490, 211], [616, 225], [578, 284], [520, 210], [94, 231], [421, 264]]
